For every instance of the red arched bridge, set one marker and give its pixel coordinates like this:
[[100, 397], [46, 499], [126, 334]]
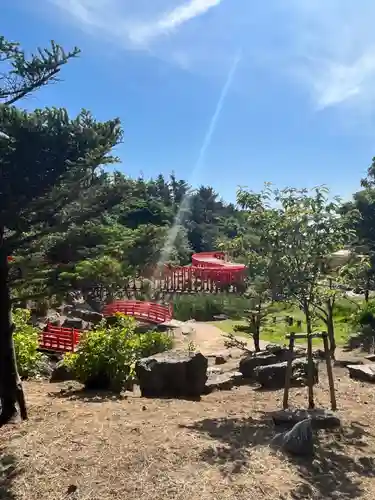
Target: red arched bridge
[[60, 339]]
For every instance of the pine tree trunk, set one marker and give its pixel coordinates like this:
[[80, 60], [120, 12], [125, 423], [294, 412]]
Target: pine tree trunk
[[10, 383]]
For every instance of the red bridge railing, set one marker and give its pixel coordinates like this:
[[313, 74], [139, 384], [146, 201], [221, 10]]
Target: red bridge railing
[[147, 311], [59, 339]]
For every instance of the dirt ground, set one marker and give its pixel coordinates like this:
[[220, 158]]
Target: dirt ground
[[97, 447]]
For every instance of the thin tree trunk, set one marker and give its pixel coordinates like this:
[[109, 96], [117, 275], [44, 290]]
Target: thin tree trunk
[[256, 337], [10, 383], [331, 331], [306, 311]]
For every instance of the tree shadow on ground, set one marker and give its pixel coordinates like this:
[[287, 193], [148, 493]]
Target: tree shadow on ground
[[238, 437], [87, 396], [8, 471], [334, 472]]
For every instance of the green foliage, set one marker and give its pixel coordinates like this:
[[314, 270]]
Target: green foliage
[[364, 316], [107, 354], [26, 343], [29, 73], [203, 307]]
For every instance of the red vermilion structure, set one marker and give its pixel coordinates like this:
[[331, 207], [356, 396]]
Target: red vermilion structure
[[145, 311], [211, 267], [59, 339]]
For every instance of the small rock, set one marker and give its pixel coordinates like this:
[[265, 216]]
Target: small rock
[[61, 373], [370, 357], [344, 363], [298, 441], [72, 488], [221, 382], [88, 315], [77, 323], [273, 376], [221, 359], [365, 373], [319, 354], [249, 363]]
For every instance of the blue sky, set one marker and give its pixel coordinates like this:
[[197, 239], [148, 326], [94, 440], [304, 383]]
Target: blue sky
[[299, 111]]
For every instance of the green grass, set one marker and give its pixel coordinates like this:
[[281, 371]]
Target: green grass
[[276, 332]]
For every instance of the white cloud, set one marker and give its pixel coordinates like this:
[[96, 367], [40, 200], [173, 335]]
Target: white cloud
[[327, 47], [332, 50], [171, 20]]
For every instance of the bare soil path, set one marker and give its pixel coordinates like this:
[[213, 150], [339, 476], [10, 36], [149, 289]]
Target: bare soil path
[[209, 339]]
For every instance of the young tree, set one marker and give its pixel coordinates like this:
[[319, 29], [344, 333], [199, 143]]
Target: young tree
[[294, 231]]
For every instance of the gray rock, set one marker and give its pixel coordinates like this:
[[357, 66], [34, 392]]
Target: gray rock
[[355, 341], [220, 382], [365, 373], [213, 370], [344, 363], [249, 363], [77, 323], [88, 315], [370, 357], [61, 373], [44, 367], [297, 441], [172, 374], [55, 319], [220, 358], [320, 418], [273, 376]]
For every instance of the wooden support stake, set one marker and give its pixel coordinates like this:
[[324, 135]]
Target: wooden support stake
[[310, 372], [329, 371], [289, 369]]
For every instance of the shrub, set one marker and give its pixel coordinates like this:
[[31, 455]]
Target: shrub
[[25, 343], [364, 316], [106, 356], [204, 307]]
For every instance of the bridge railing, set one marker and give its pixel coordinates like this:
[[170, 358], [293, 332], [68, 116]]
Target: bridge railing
[[59, 339]]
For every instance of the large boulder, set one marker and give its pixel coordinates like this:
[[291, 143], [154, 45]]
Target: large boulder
[[273, 376], [172, 374]]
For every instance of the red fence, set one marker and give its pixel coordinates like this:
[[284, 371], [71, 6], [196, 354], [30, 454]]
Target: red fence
[[57, 338], [147, 311]]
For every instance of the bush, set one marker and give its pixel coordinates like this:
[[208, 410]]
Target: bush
[[364, 316], [106, 356], [25, 343], [204, 307]]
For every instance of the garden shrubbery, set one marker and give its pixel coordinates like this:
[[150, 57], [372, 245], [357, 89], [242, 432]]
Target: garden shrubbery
[[204, 307], [106, 356], [25, 344]]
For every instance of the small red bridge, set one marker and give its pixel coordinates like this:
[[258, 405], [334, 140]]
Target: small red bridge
[[60, 339], [143, 311]]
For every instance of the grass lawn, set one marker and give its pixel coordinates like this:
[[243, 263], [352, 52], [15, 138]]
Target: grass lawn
[[276, 331]]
